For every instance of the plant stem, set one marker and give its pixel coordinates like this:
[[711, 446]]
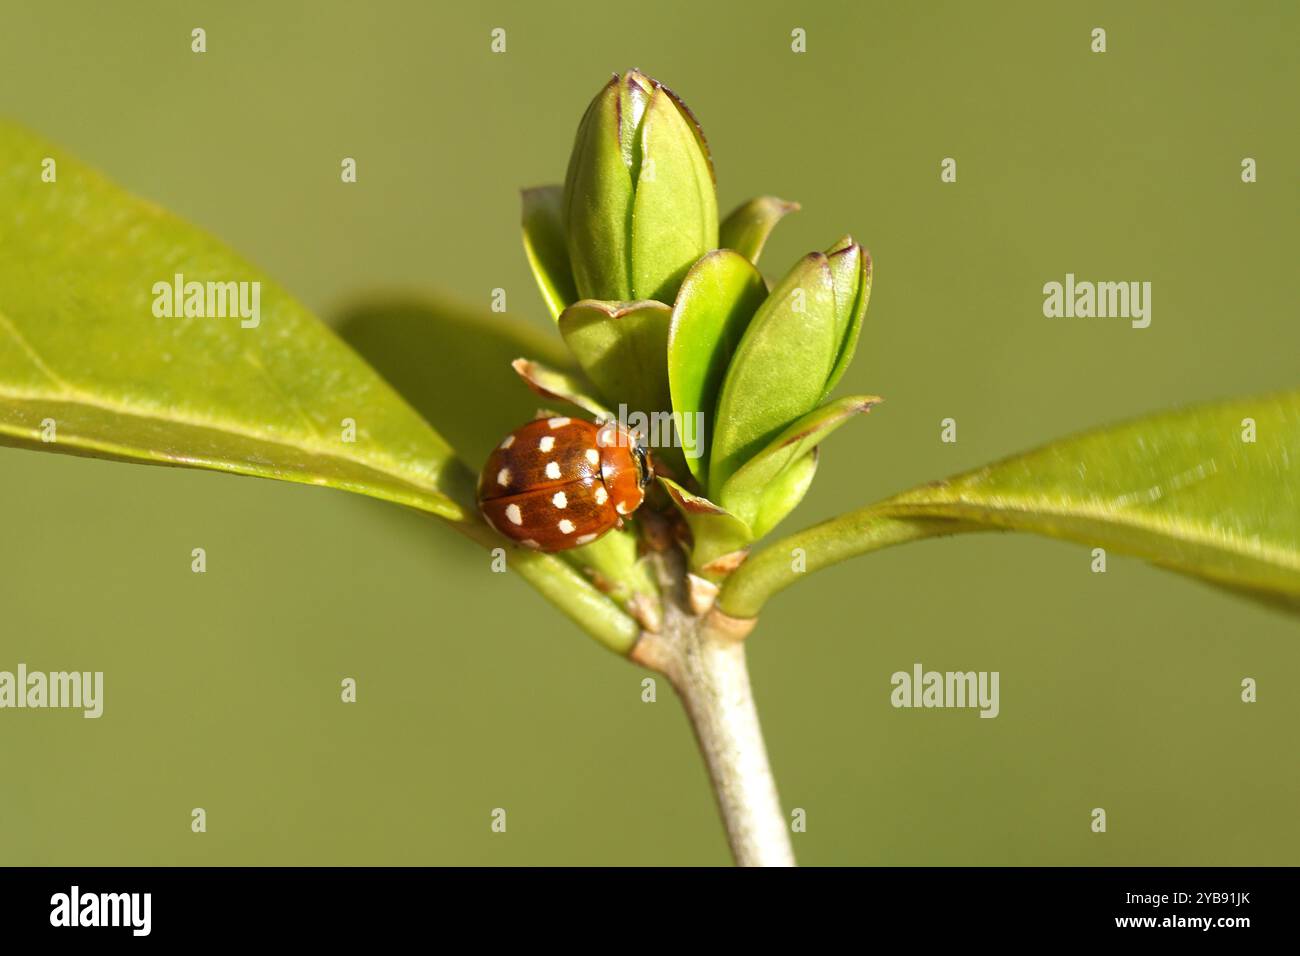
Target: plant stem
[[706, 664], [713, 682], [851, 534], [704, 659]]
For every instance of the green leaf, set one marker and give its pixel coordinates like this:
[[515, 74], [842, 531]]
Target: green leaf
[[598, 201], [696, 129], [787, 490], [1181, 489], [81, 347], [779, 371], [716, 301], [851, 271], [744, 492], [551, 384], [675, 211], [545, 246], [747, 227], [453, 363], [622, 346], [716, 535]]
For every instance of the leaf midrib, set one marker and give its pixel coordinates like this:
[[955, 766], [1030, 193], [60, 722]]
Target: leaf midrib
[[381, 465], [1199, 535], [71, 394], [33, 356]]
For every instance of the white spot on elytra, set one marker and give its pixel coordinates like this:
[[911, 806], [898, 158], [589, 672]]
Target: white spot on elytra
[[547, 443], [566, 526], [514, 514], [503, 477], [510, 440], [601, 495], [553, 470], [593, 456], [584, 539], [560, 500], [621, 507], [557, 422]]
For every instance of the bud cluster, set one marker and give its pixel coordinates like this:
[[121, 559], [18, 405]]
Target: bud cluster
[[666, 313]]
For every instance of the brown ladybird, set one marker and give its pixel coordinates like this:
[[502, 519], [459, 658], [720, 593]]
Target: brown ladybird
[[559, 483]]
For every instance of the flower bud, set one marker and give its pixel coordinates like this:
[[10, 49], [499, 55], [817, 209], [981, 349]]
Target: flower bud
[[850, 267], [639, 199]]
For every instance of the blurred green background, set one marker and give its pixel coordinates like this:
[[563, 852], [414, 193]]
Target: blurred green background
[[1118, 690]]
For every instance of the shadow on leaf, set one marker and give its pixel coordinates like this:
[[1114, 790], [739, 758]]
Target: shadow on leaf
[[452, 363]]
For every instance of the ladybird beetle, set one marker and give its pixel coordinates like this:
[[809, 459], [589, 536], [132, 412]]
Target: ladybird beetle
[[559, 483]]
